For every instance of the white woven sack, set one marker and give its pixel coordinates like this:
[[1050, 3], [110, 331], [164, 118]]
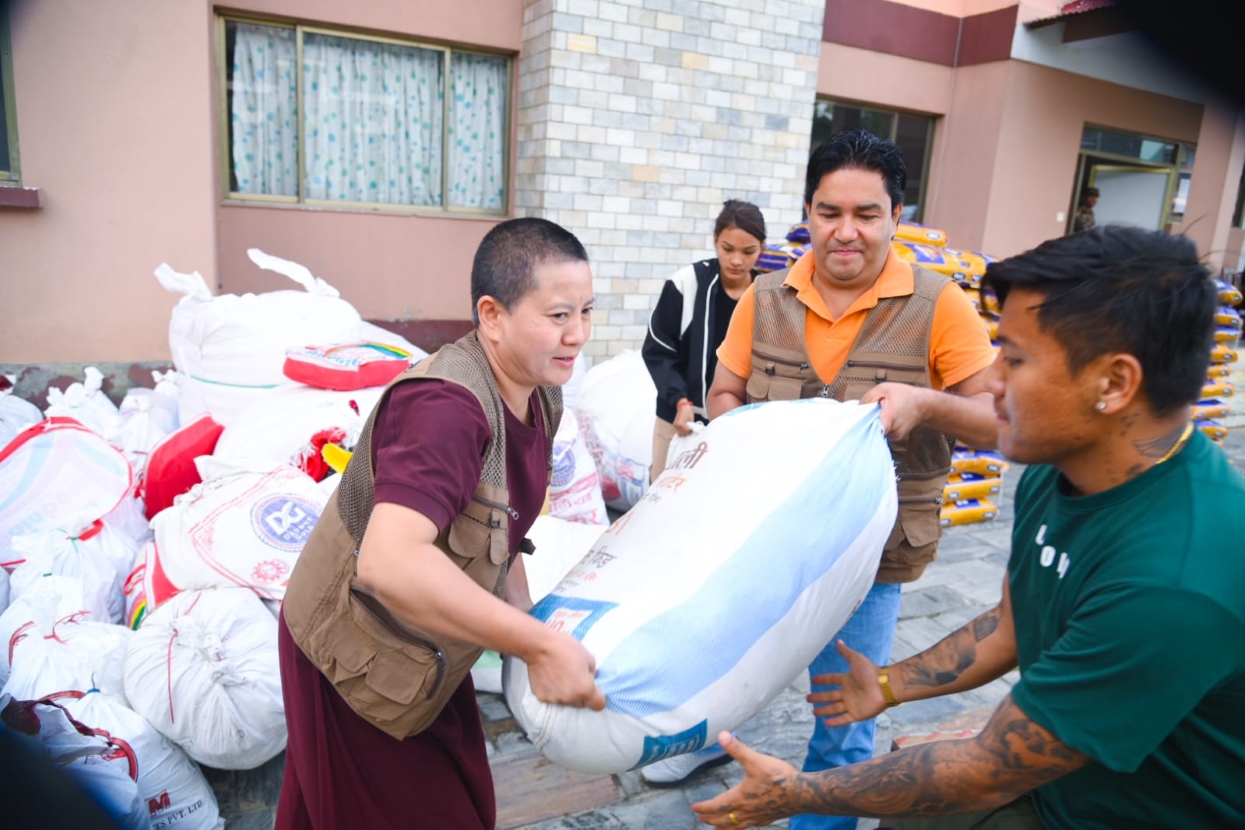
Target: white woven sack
[[53, 553], [241, 526], [144, 418], [560, 545], [85, 402], [203, 669], [241, 340], [699, 605], [570, 389], [46, 602], [575, 487], [34, 469], [281, 432], [170, 784], [95, 763], [15, 413], [67, 653], [237, 406], [4, 590], [615, 406]]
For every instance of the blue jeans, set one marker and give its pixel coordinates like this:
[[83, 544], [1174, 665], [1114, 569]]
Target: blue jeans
[[870, 631]]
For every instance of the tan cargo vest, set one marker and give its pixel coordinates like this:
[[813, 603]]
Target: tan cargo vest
[[393, 676], [893, 345]]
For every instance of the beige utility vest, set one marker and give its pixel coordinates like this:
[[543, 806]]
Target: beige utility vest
[[893, 345], [395, 677]]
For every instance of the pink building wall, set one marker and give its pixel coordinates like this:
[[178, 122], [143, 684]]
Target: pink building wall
[[114, 132], [1034, 168], [391, 266]]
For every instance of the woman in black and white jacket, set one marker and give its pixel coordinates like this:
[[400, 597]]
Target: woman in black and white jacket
[[690, 320]]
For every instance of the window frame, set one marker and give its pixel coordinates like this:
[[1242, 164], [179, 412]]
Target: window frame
[[13, 176], [895, 115], [233, 197]]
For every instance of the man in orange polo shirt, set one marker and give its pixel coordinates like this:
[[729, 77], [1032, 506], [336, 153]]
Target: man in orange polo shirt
[[852, 321]]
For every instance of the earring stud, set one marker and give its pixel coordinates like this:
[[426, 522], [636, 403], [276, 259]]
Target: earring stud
[[1100, 406]]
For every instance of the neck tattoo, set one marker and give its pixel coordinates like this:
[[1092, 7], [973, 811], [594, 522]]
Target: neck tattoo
[[1180, 442]]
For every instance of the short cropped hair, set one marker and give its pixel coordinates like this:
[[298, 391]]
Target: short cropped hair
[[506, 261], [859, 150], [743, 215], [1123, 289]]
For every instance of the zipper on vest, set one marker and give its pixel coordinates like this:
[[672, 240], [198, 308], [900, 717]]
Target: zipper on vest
[[923, 500], [386, 618], [510, 511], [801, 366], [871, 364]]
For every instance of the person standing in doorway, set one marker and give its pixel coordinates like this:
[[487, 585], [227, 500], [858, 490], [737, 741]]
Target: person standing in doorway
[[1084, 218], [690, 320]]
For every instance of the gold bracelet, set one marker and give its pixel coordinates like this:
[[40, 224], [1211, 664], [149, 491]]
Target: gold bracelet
[[884, 680]]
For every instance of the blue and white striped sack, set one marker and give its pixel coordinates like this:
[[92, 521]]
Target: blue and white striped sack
[[737, 567]]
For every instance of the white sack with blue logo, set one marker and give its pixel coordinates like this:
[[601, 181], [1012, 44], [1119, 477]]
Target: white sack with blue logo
[[737, 567], [244, 525]]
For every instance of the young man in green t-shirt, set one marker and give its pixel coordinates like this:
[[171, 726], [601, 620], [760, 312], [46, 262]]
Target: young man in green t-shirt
[[1124, 600]]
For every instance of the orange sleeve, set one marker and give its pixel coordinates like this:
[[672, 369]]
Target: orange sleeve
[[959, 345], [735, 353]]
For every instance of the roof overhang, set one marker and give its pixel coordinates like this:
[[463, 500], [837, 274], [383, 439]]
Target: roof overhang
[[1087, 19]]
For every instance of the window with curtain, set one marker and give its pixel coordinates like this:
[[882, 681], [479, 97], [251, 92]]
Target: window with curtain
[[362, 120], [10, 172], [912, 133]]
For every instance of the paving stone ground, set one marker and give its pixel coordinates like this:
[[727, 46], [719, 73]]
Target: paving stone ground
[[534, 794]]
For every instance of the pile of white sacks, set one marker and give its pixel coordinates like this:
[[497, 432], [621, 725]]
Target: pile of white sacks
[[146, 547]]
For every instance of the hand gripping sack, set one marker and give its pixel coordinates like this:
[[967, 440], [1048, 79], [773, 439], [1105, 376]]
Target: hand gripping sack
[[203, 670], [701, 603], [170, 784], [34, 468], [615, 407], [575, 486], [241, 526], [560, 544]]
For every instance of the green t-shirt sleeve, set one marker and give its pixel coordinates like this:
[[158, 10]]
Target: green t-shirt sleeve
[[1132, 663]]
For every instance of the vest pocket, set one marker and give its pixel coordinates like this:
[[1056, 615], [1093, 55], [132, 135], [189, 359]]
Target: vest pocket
[[472, 536], [763, 387], [381, 669]]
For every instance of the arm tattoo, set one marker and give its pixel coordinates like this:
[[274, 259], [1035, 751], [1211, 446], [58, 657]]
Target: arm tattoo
[[985, 625], [947, 660], [1011, 756]]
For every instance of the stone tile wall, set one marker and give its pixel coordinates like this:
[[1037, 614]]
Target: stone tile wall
[[638, 118]]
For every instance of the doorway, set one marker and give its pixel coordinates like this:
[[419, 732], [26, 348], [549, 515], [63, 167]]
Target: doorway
[[1139, 179]]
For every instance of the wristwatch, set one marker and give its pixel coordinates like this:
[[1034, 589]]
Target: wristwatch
[[884, 681]]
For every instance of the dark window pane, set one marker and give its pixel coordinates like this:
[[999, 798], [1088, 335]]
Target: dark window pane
[[4, 126], [830, 118], [912, 136], [1239, 219]]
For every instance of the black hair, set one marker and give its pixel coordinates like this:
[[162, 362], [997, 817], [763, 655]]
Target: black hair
[[1123, 289], [505, 263], [860, 150], [743, 215]]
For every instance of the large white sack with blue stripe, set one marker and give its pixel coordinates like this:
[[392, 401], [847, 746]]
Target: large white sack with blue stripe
[[741, 562]]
